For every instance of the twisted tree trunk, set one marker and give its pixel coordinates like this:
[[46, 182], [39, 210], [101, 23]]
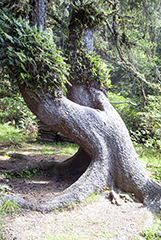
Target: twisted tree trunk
[[106, 155], [106, 148]]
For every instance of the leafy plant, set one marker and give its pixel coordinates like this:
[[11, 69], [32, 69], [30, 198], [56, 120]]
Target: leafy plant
[[12, 135], [15, 111], [152, 232], [151, 157], [87, 68], [24, 174], [28, 55], [144, 125], [9, 207], [150, 123]]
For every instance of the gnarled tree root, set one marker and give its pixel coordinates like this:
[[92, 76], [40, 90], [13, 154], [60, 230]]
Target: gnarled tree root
[[94, 179]]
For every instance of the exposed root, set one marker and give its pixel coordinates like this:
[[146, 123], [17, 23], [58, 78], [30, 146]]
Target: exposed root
[[43, 165], [92, 180]]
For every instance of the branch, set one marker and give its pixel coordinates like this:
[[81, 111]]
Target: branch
[[128, 17], [127, 66], [109, 27], [121, 102]]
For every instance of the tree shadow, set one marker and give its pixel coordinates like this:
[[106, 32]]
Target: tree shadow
[[36, 184]]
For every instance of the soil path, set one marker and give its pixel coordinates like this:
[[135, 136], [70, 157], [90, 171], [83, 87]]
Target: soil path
[[97, 218]]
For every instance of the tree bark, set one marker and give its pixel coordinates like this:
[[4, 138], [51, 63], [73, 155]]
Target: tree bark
[[106, 143], [38, 13]]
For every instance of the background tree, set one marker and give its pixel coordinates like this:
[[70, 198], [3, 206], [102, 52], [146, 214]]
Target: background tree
[[106, 155]]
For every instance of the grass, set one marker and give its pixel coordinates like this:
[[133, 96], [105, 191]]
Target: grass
[[151, 233], [11, 135], [73, 236], [94, 197], [152, 158], [58, 148], [9, 207]]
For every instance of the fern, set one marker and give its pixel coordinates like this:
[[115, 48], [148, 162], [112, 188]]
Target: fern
[[28, 56]]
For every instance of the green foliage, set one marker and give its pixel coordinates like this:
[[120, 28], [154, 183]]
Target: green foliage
[[151, 233], [139, 35], [9, 207], [17, 7], [149, 126], [86, 68], [14, 110], [11, 135], [144, 125], [127, 111], [88, 13], [28, 55], [151, 157], [24, 174]]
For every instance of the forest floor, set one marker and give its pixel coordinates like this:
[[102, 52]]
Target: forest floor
[[96, 218]]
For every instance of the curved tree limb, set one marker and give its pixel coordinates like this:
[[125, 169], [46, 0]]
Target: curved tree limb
[[122, 102]]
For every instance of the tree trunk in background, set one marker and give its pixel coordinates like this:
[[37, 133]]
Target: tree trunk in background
[[38, 13]]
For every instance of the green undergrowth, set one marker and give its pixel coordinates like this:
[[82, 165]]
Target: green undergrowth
[[152, 158], [12, 135], [58, 148], [153, 232], [24, 174], [10, 209]]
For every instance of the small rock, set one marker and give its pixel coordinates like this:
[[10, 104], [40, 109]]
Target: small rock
[[129, 229], [124, 211]]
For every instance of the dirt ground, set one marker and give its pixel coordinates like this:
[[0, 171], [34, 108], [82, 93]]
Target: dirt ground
[[97, 218]]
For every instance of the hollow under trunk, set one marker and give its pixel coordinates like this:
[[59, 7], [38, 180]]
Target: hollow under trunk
[[106, 153]]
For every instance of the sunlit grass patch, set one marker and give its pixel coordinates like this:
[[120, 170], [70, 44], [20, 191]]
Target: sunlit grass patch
[[73, 236], [9, 207], [153, 232], [58, 148], [10, 134], [152, 158]]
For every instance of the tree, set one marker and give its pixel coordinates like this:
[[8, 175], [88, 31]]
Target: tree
[[106, 156]]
